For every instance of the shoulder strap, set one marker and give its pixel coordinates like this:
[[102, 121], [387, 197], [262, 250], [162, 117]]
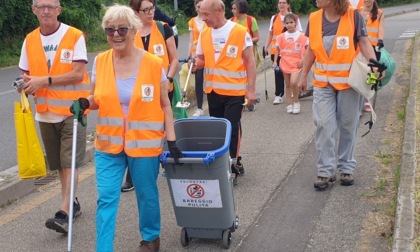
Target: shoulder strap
[[161, 29], [275, 17], [249, 20]]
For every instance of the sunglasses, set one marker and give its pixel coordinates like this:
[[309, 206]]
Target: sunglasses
[[122, 31]]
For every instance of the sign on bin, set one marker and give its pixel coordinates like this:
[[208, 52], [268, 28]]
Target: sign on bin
[[196, 193]]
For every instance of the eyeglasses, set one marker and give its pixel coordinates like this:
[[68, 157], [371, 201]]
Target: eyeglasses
[[148, 10], [48, 7], [282, 3], [122, 31]]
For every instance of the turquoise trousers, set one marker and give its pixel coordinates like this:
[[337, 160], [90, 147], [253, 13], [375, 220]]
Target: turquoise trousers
[[110, 170]]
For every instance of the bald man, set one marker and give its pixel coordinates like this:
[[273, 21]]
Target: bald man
[[230, 72]]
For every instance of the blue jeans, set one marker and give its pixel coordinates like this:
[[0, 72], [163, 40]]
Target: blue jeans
[[110, 169], [336, 112]]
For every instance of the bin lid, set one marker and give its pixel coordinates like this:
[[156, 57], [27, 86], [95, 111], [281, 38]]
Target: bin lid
[[206, 156]]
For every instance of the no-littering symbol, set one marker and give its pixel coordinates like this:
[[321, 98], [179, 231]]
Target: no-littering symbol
[[195, 191]]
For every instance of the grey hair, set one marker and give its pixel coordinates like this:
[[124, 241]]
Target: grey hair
[[116, 12], [57, 2]]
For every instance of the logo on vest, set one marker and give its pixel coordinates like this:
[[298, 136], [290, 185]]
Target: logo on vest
[[158, 50], [232, 51], [147, 92], [66, 56], [343, 42]]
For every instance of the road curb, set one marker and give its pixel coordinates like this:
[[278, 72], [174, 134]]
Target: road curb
[[13, 188], [405, 220]]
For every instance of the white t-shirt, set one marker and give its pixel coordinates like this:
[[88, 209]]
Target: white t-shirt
[[298, 25], [50, 44], [199, 22], [220, 36]]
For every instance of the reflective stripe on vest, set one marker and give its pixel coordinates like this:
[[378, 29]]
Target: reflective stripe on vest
[[115, 140], [135, 144], [290, 51], [107, 121]]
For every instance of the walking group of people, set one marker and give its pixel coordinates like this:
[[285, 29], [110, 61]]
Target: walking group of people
[[131, 86]]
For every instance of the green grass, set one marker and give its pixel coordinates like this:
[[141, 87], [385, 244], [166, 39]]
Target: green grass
[[401, 115]]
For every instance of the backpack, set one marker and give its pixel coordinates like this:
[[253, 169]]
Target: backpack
[[249, 24]]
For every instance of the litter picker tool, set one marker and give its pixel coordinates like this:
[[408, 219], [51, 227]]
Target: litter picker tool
[[184, 103], [265, 74], [78, 108], [373, 80]]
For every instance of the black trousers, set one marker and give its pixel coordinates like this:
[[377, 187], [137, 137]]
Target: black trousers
[[199, 78], [230, 108], [278, 78]]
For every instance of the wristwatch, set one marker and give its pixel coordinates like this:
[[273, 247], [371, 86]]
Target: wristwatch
[[49, 81], [171, 80]]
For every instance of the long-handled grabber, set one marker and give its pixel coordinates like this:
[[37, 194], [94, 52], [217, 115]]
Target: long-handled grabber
[[78, 108], [374, 81], [265, 74], [184, 103]]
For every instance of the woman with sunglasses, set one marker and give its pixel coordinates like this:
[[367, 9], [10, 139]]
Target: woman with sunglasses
[[275, 29], [130, 92], [156, 38]]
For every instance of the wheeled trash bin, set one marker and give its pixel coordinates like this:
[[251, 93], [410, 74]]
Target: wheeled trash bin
[[202, 187]]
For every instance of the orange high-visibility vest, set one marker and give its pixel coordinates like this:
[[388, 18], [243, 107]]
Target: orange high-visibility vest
[[196, 33], [227, 75], [334, 69], [157, 46], [277, 29], [291, 52], [247, 23], [56, 99], [141, 133], [373, 29]]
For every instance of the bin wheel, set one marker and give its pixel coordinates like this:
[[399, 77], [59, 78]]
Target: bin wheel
[[185, 240], [226, 238]]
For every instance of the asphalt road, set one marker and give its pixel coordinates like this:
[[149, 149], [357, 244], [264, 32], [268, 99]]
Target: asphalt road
[[275, 200]]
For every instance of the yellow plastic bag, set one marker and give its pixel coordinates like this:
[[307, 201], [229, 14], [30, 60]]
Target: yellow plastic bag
[[183, 73], [30, 158]]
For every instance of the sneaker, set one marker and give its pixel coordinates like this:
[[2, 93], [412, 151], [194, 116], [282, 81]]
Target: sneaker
[[60, 222], [240, 166], [307, 93], [296, 108], [289, 109], [346, 179], [236, 172], [149, 246], [367, 107], [322, 183], [126, 187], [277, 100], [198, 112], [77, 210]]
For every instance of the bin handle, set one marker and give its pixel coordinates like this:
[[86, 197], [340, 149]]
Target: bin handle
[[170, 160]]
